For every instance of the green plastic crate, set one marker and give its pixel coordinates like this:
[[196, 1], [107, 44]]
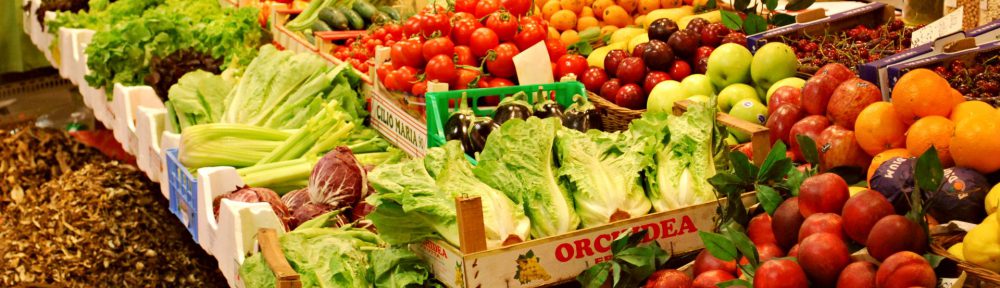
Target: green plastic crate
[[438, 111]]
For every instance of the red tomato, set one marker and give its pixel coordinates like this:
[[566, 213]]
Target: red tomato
[[537, 19], [483, 39], [382, 71], [571, 63], [556, 49], [517, 7], [461, 31], [463, 16], [390, 81], [435, 24], [485, 7], [405, 78], [419, 89], [438, 46], [412, 26], [394, 29], [465, 77], [407, 53], [463, 56], [501, 82], [501, 63], [379, 33], [467, 6], [680, 70], [440, 68], [503, 24], [484, 82], [530, 34]]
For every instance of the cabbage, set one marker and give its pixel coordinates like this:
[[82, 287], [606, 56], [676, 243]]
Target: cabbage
[[519, 160], [604, 170], [682, 157]]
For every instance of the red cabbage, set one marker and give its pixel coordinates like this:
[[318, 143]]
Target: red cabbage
[[254, 195], [338, 179]]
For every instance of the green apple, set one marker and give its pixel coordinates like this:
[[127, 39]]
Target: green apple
[[749, 110], [698, 84], [699, 98], [729, 64], [773, 62], [761, 92], [790, 81], [735, 93], [663, 95]]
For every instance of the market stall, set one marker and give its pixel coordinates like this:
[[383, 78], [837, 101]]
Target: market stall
[[513, 143]]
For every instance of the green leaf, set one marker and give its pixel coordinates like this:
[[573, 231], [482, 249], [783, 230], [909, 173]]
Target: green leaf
[[754, 24], [934, 259], [719, 246], [627, 240], [595, 276], [808, 148], [793, 181], [741, 5], [929, 172], [781, 19], [724, 179], [616, 273], [711, 4], [744, 169], [732, 20], [734, 283], [582, 47], [642, 260], [776, 164], [798, 4], [745, 246], [771, 4], [769, 198]]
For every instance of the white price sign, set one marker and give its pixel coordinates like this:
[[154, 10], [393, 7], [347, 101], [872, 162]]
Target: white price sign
[[948, 24]]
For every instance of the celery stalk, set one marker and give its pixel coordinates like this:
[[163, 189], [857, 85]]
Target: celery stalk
[[290, 171]]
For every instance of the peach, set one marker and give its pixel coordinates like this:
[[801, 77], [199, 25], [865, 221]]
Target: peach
[[760, 231], [893, 234], [711, 278], [706, 262], [823, 256], [822, 222], [764, 252], [794, 252], [670, 278], [860, 274], [780, 273], [905, 269], [786, 223], [823, 193], [862, 211]]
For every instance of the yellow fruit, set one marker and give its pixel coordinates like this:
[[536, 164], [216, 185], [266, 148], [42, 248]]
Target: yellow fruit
[[957, 250], [673, 14], [646, 6], [992, 198], [586, 22], [982, 244], [639, 19], [625, 34], [596, 57], [608, 30], [855, 190], [550, 8], [711, 17], [587, 12], [569, 37], [563, 20], [629, 5], [572, 5], [638, 39], [553, 33], [616, 15], [600, 5]]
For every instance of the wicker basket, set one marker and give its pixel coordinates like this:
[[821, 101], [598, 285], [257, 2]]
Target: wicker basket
[[615, 118], [976, 273]]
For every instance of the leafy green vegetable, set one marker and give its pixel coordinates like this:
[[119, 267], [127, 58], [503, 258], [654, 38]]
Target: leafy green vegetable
[[398, 268], [683, 161], [519, 160], [604, 170], [224, 144], [199, 97]]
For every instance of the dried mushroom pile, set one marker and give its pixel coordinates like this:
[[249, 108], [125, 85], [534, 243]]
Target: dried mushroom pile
[[71, 217]]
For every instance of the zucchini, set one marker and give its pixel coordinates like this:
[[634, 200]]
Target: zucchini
[[380, 18], [353, 18], [318, 26], [390, 11], [365, 9], [334, 18]]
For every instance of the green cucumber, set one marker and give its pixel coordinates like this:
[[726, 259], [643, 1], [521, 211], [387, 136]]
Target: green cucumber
[[365, 9], [334, 18], [318, 26], [380, 18], [390, 11], [353, 18]]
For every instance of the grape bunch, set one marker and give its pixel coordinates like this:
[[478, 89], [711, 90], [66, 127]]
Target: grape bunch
[[976, 79], [851, 47]]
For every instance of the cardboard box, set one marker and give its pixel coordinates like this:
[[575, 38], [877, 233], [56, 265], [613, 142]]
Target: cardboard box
[[816, 23], [968, 56]]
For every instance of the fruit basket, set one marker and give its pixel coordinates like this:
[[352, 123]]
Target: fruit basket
[[940, 245], [615, 118]]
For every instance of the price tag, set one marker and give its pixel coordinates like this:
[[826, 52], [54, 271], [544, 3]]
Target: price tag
[[948, 24], [533, 65]]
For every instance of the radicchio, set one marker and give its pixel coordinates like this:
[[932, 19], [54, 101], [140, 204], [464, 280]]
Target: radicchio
[[254, 195], [295, 199], [338, 179], [311, 210]]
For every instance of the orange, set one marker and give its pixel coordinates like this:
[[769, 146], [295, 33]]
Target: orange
[[878, 129], [931, 130], [966, 109], [616, 15], [572, 5], [648, 5], [587, 12], [584, 23], [976, 143], [922, 93], [885, 156]]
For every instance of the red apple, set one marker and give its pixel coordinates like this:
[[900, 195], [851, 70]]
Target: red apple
[[849, 99], [631, 96], [811, 126], [784, 95], [840, 148], [670, 278], [823, 193], [711, 278], [706, 262], [905, 269], [822, 223], [837, 71], [779, 124], [759, 230], [653, 78], [816, 93]]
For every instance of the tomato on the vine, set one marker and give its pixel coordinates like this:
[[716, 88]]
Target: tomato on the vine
[[464, 78], [486, 7], [419, 89], [435, 24], [463, 16], [501, 82], [484, 82], [406, 77], [556, 49], [438, 46], [501, 62], [482, 40], [461, 31], [571, 63], [394, 29], [379, 33], [406, 53], [382, 71], [390, 81], [530, 34], [517, 7], [440, 68], [467, 6], [412, 26], [504, 24], [537, 19], [463, 56]]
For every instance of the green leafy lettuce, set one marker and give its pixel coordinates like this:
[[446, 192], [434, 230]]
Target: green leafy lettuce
[[198, 96]]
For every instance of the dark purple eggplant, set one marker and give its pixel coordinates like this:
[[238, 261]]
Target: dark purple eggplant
[[457, 127], [582, 115], [545, 107], [514, 106], [480, 130]]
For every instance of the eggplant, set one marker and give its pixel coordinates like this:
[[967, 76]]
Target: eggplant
[[582, 115], [457, 127], [479, 131], [515, 106], [547, 108]]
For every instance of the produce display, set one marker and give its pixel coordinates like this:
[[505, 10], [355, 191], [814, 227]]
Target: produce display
[[60, 5], [976, 79], [331, 15], [851, 47]]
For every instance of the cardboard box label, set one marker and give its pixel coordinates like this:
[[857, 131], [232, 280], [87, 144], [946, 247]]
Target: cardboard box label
[[398, 127]]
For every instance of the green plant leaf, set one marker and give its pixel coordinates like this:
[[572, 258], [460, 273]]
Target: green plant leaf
[[771, 4], [616, 273], [769, 198], [794, 5], [744, 169], [732, 20], [642, 260], [754, 24], [745, 246], [734, 283], [929, 172], [582, 47], [595, 276], [934, 260], [808, 148], [776, 164], [718, 245], [781, 19], [741, 5], [711, 4], [793, 181], [627, 240]]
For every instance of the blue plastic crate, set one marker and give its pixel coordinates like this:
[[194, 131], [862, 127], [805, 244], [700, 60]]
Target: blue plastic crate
[[183, 193]]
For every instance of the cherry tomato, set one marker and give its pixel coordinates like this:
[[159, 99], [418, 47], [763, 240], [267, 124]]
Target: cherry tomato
[[484, 82], [467, 6], [440, 68], [464, 77], [463, 16], [537, 19], [501, 82], [463, 56], [405, 78], [379, 33], [435, 24], [483, 39], [517, 7], [382, 71], [461, 31], [406, 53], [394, 29], [556, 49], [571, 63], [501, 62], [485, 7], [419, 89], [438, 46], [504, 24], [390, 81], [530, 34]]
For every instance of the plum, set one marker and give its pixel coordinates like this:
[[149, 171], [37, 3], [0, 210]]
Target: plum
[[759, 230], [823, 256], [711, 278], [862, 211], [786, 223], [669, 278], [706, 262]]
